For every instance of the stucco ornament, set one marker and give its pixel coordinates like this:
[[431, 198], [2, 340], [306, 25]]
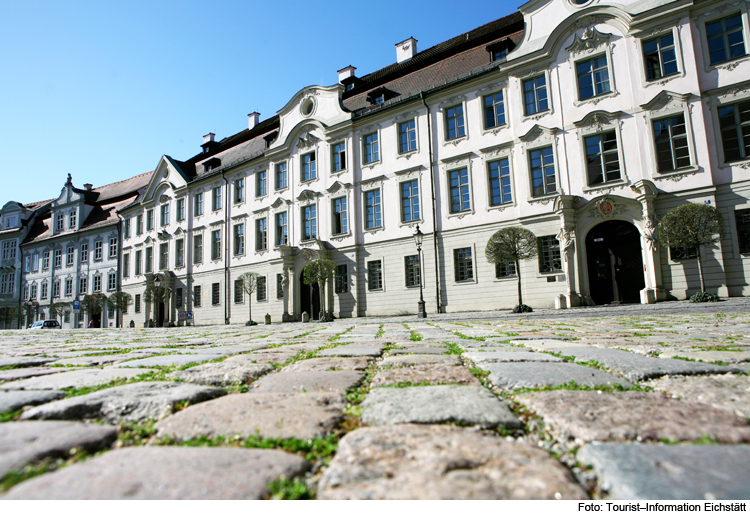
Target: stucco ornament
[[567, 243], [589, 41], [649, 232], [607, 208]]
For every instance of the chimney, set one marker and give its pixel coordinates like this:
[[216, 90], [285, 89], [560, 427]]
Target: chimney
[[208, 138], [88, 186], [253, 120], [345, 73], [406, 50]]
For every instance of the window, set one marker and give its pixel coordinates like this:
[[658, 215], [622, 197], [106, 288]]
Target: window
[[72, 219], [43, 294], [215, 245], [411, 266], [197, 296], [7, 281], [25, 292], [261, 184], [338, 157], [216, 294], [82, 286], [410, 201], [494, 110], [308, 166], [670, 136], [549, 254], [499, 55], [112, 248], [149, 220], [338, 206], [602, 159], [58, 259], [239, 291], [66, 316], [593, 77], [742, 219], [56, 289], [197, 249], [139, 225], [126, 265], [239, 239], [459, 187], [97, 283], [181, 209], [32, 295], [9, 249], [68, 287], [500, 192], [163, 256], [342, 279], [69, 256], [60, 222], [198, 204], [216, 200], [178, 300], [281, 176], [98, 250], [137, 303], [260, 290], [282, 237], [370, 148], [725, 39], [372, 209], [126, 228], [35, 262], [138, 260], [11, 221], [111, 281], [179, 253], [27, 264], [454, 122], [505, 269], [463, 265], [45, 260], [734, 122], [309, 222], [659, 57], [84, 252], [535, 95], [407, 136], [682, 253], [375, 275], [543, 179], [279, 286], [239, 190], [261, 234], [149, 260], [164, 215]]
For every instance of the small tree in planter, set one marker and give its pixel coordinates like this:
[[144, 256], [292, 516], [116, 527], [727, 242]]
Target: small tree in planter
[[512, 245], [320, 271], [249, 285], [692, 226], [93, 304], [119, 301], [59, 309]]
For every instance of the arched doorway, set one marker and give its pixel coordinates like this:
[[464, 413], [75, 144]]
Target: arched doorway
[[309, 298], [615, 263]]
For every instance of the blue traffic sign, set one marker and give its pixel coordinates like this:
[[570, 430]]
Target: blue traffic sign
[[76, 305]]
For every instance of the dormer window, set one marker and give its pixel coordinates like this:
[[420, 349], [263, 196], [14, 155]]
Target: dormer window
[[60, 222], [205, 149], [499, 55], [73, 219], [379, 99], [212, 164], [348, 87], [499, 50], [11, 221], [380, 95]]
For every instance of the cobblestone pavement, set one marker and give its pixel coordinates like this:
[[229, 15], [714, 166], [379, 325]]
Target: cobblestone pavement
[[626, 402]]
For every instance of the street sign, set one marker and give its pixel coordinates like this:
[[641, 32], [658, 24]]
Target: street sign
[[76, 306], [182, 316]]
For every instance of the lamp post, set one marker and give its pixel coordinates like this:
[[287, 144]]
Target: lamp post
[[418, 240]]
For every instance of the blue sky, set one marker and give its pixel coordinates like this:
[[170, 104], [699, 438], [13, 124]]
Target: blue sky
[[103, 89]]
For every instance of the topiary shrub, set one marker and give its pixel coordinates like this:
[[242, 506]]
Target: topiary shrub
[[705, 297], [522, 308], [250, 323]]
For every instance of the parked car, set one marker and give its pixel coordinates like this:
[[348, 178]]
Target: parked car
[[45, 325]]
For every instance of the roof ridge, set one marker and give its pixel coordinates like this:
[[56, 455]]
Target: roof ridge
[[122, 181]]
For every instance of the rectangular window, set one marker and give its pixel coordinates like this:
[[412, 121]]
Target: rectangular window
[[215, 245], [149, 220], [463, 265], [56, 289], [370, 149], [139, 225], [84, 252], [338, 157], [181, 209], [179, 253], [734, 122], [742, 219], [500, 192], [282, 235], [670, 136], [165, 215], [69, 256], [373, 218], [602, 158], [98, 250], [412, 271], [239, 239], [43, 294], [197, 296], [549, 254], [407, 136], [45, 260], [261, 234], [58, 259], [216, 200], [535, 95], [309, 222], [338, 206], [682, 253], [494, 110], [375, 275], [33, 292], [454, 122], [279, 286], [178, 300], [459, 187], [281, 176], [111, 281], [198, 204], [725, 39], [66, 316], [83, 285], [112, 248], [499, 55], [261, 183], [197, 249], [137, 303], [35, 263], [138, 263], [216, 294], [308, 166], [163, 256], [60, 222], [149, 260], [593, 77], [659, 57], [97, 283], [239, 190], [543, 179], [126, 265], [239, 291], [9, 249], [260, 290], [342, 279], [126, 228], [73, 219], [505, 269], [410, 201], [68, 287]]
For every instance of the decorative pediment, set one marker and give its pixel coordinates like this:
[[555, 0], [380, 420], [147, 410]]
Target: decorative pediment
[[598, 120], [148, 240], [590, 40], [497, 151], [372, 182], [411, 172], [163, 235], [179, 231], [539, 133], [403, 117], [280, 202], [667, 100], [306, 141], [455, 161], [164, 198], [307, 196], [338, 187]]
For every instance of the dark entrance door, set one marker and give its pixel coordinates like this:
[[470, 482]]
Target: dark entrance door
[[160, 311], [614, 262], [310, 298]]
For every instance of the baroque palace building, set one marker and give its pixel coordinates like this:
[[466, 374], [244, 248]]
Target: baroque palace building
[[584, 121]]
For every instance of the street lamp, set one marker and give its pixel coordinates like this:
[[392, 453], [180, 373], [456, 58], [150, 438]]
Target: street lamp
[[157, 281], [418, 240]]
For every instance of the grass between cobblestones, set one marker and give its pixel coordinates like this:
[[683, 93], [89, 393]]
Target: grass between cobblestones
[[8, 416], [45, 465]]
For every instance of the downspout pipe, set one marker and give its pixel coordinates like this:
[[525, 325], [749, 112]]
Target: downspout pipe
[[227, 205], [20, 288], [434, 207]]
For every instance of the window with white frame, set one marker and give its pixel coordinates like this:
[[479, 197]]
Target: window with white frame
[[373, 218], [60, 222], [163, 256], [593, 77], [458, 183], [216, 202], [43, 294], [138, 262], [454, 122], [494, 110], [11, 221], [261, 183], [111, 281], [412, 271], [282, 180], [197, 296], [339, 217], [407, 136], [535, 95], [725, 38], [671, 143], [239, 291], [499, 182], [35, 262], [198, 204], [56, 289], [410, 201], [179, 253], [150, 220], [126, 228], [602, 158], [165, 215], [338, 157], [82, 286], [308, 166], [98, 250], [549, 254], [126, 265], [72, 220], [261, 234], [660, 57], [139, 225], [58, 259], [70, 256], [260, 290], [197, 249], [542, 164], [239, 190], [216, 294], [97, 284], [282, 228], [6, 282], [375, 275], [9, 249], [734, 123], [216, 245], [342, 279], [149, 260], [32, 295], [370, 148], [239, 239], [463, 265], [181, 209], [45, 260], [84, 252], [112, 247], [309, 222], [68, 287]]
